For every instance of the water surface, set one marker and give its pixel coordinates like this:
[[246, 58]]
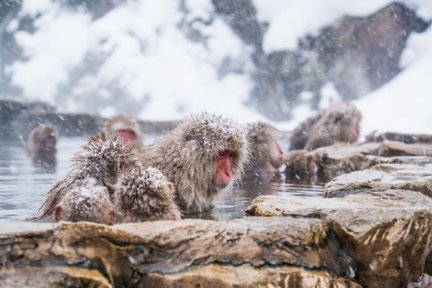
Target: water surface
[[23, 186]]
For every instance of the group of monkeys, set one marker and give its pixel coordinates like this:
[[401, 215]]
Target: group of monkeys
[[116, 179]]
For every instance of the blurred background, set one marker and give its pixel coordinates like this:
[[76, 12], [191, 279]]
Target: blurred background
[[274, 60]]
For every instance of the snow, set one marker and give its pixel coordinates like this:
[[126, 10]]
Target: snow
[[404, 104], [167, 76], [148, 56], [294, 19]]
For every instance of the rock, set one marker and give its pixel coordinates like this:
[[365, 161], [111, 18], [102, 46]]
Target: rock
[[382, 177], [387, 233], [66, 124], [241, 16], [70, 125], [11, 110], [425, 281], [53, 277], [138, 253], [343, 53], [394, 148], [247, 276], [400, 137], [338, 159]]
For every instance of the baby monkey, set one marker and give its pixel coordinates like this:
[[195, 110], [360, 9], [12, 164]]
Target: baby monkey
[[86, 202], [144, 194]]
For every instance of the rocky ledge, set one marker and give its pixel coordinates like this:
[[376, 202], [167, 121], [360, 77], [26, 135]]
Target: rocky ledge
[[338, 159], [372, 228], [387, 234], [250, 252]]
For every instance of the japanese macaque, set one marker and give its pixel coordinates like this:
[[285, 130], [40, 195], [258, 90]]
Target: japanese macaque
[[103, 158], [201, 156], [127, 128], [87, 201], [42, 146], [300, 168], [301, 133], [145, 195], [339, 123], [266, 155]]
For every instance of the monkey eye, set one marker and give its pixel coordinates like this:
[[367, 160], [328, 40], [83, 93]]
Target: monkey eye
[[127, 131], [225, 153]]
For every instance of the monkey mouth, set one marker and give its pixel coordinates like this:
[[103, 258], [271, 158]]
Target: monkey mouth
[[222, 184]]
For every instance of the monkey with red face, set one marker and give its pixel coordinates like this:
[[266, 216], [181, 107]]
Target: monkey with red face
[[266, 155], [201, 156], [126, 128]]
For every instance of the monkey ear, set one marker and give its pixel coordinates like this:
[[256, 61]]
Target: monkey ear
[[338, 117], [57, 213]]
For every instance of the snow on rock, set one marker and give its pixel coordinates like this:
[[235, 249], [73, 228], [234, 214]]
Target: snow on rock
[[289, 20]]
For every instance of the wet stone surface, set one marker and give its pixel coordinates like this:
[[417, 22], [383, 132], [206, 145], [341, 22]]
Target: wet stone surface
[[188, 250], [386, 233], [382, 177]]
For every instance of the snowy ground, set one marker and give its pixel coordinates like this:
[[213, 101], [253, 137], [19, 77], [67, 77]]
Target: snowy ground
[[156, 66]]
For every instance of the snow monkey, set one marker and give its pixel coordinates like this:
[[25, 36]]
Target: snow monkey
[[266, 155], [302, 132], [42, 145], [86, 201], [103, 158], [127, 128], [300, 168], [144, 194], [201, 156], [339, 123]]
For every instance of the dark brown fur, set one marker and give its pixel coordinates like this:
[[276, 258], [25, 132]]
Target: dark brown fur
[[86, 202], [187, 157], [145, 195], [263, 162], [103, 158], [336, 124], [339, 123], [122, 122], [300, 168], [301, 133]]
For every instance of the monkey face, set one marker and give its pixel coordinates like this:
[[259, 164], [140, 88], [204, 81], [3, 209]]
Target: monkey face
[[224, 172], [49, 143], [127, 136], [276, 154]]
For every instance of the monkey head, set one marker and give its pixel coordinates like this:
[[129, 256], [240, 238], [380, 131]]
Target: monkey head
[[146, 194], [43, 139], [86, 202], [128, 129], [218, 140], [264, 147], [104, 158], [345, 119]]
